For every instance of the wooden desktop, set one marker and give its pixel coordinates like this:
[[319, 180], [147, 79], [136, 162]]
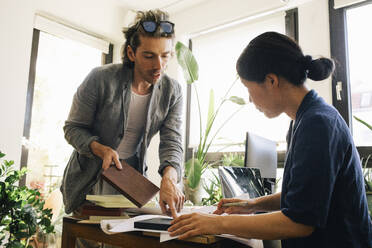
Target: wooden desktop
[[72, 230]]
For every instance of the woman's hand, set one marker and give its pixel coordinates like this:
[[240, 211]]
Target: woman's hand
[[194, 224], [248, 208]]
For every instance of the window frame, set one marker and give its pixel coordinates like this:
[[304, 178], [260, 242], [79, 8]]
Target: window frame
[[291, 29], [106, 59], [339, 52]]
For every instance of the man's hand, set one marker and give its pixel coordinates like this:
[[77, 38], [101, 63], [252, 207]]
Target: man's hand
[[170, 195], [107, 154]]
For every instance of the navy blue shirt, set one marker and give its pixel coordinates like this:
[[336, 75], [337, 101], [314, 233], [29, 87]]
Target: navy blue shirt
[[323, 182]]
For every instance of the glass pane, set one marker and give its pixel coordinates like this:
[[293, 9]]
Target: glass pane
[[360, 53], [61, 67], [216, 54]]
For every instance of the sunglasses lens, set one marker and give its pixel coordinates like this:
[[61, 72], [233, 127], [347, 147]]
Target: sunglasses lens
[[166, 27], [149, 26]]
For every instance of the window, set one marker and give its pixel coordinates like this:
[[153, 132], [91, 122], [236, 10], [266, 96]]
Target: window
[[350, 47], [58, 66], [216, 54], [359, 42]]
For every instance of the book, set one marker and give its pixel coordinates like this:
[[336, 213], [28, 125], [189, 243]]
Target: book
[[97, 219], [161, 224], [107, 198], [115, 201], [91, 209], [132, 184]]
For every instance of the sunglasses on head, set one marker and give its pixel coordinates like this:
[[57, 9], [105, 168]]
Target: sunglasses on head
[[151, 26]]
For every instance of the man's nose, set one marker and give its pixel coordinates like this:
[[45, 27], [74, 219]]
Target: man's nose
[[158, 63]]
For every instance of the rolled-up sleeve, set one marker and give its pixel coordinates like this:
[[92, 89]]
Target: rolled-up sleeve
[[313, 173], [170, 147], [79, 124]]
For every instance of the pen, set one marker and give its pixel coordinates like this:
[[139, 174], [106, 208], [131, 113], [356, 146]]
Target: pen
[[238, 204]]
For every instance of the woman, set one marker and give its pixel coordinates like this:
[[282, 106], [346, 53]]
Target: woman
[[323, 201]]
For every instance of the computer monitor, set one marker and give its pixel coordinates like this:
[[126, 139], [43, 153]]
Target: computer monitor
[[261, 153]]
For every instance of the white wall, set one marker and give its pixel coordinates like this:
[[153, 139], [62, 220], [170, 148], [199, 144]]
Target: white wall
[[314, 38], [16, 24]]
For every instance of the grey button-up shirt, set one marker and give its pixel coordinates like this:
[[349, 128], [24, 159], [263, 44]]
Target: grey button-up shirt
[[99, 112]]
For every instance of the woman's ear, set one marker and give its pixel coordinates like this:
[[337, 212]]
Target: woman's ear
[[130, 53], [272, 79]]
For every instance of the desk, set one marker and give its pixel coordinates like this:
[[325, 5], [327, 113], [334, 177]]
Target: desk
[[72, 229]]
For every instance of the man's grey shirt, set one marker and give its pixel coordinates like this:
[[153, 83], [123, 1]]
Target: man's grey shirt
[[99, 112]]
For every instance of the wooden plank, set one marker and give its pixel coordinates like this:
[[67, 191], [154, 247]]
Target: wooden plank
[[203, 239]]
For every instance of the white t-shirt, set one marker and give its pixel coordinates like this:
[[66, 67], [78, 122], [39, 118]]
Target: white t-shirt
[[137, 114]]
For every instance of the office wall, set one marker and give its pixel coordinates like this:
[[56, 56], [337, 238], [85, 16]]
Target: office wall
[[16, 25], [314, 39]]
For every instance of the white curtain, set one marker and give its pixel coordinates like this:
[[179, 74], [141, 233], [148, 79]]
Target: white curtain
[[216, 54], [345, 3], [64, 31]]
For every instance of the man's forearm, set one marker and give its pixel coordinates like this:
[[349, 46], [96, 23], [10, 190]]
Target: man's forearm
[[97, 149], [79, 138], [170, 173]]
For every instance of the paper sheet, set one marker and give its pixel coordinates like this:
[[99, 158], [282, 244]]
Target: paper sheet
[[127, 225], [185, 210]]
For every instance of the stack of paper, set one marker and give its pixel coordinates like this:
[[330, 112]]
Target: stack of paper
[[115, 201]]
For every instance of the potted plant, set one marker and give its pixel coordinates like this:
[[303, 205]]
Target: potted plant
[[367, 172], [195, 167], [22, 212], [213, 190], [233, 159]]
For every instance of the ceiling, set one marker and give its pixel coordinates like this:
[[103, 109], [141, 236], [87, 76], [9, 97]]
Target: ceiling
[[171, 6]]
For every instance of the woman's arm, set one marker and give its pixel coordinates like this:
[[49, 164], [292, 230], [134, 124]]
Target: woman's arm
[[265, 203], [268, 226]]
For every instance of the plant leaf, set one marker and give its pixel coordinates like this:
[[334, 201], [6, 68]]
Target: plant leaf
[[237, 100], [363, 122], [193, 172], [187, 62], [1, 154], [210, 112]]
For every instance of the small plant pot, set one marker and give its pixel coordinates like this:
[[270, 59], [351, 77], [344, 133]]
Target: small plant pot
[[194, 195]]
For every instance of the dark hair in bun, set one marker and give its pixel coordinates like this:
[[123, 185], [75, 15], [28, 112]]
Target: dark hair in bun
[[276, 53]]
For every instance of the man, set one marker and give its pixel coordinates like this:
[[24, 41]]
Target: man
[[119, 108]]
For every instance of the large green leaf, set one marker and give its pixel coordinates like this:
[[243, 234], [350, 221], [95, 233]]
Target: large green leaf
[[187, 62], [193, 172], [237, 100]]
